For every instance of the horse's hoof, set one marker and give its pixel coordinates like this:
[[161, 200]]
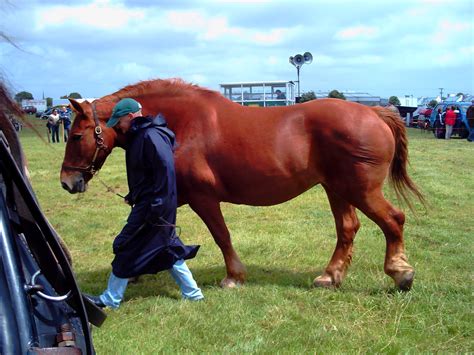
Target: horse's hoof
[[230, 283], [324, 281], [405, 281]]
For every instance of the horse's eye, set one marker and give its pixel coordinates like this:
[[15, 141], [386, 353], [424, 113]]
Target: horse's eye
[[76, 137]]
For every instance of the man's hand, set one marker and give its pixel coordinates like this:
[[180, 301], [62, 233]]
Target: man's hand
[[127, 201]]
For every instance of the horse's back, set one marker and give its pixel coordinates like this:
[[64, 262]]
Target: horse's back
[[264, 156]]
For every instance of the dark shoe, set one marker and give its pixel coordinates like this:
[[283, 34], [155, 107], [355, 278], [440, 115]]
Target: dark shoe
[[95, 300]]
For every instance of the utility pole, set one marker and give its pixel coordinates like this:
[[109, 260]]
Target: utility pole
[[441, 93]]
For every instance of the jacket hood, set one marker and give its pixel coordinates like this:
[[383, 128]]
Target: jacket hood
[[158, 122]]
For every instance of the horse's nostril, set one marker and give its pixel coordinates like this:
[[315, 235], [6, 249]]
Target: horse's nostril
[[80, 185], [65, 186]]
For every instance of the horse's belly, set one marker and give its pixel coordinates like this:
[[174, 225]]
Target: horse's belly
[[258, 190]]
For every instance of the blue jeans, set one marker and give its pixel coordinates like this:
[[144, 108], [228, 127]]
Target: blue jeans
[[116, 287], [55, 133]]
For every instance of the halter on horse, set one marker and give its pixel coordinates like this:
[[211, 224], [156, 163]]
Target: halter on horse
[[92, 169]]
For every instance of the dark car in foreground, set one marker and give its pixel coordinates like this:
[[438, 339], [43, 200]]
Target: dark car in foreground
[[42, 310]]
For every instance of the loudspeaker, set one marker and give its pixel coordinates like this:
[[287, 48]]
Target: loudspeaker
[[298, 60], [308, 57]]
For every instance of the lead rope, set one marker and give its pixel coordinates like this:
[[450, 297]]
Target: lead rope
[[177, 229], [107, 187]]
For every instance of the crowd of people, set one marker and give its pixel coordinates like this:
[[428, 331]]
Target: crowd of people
[[447, 119]]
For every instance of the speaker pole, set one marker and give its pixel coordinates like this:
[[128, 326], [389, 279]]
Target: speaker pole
[[298, 73], [298, 60]]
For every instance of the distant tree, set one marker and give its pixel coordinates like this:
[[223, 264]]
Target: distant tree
[[49, 101], [74, 95], [23, 95], [459, 94], [433, 103], [307, 96], [394, 101], [336, 95]]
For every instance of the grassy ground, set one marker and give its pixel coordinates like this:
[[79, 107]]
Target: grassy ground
[[284, 248]]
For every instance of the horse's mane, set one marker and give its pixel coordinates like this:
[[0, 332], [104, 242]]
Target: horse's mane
[[6, 102], [164, 87], [9, 109]]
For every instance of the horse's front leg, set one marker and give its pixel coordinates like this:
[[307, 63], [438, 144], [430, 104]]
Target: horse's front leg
[[347, 225], [210, 212]]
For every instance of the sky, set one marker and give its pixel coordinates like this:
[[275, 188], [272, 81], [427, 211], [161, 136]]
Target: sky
[[96, 47]]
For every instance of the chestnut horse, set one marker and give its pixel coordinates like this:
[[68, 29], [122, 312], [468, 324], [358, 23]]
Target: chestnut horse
[[261, 157]]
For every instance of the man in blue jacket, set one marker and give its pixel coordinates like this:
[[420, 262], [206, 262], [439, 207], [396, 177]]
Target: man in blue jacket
[[148, 243], [65, 117]]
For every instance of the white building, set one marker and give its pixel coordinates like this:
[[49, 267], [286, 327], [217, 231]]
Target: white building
[[408, 100], [39, 104]]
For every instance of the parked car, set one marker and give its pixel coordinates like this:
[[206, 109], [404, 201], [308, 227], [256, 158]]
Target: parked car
[[49, 111], [463, 125], [29, 109]]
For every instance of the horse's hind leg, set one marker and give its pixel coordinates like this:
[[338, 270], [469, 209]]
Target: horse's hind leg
[[347, 225], [210, 212], [391, 221]]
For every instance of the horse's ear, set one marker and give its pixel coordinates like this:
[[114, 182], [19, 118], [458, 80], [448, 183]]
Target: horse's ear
[[76, 106]]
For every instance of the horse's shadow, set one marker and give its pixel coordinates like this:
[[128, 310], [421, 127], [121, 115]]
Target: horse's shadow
[[207, 277]]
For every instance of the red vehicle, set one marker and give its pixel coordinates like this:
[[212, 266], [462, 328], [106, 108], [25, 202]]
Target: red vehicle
[[29, 109], [421, 117]]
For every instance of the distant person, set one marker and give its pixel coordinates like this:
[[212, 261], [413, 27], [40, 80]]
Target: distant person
[[440, 117], [280, 95], [450, 121], [53, 122], [393, 108], [65, 117]]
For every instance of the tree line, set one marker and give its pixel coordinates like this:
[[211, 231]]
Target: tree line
[[393, 100], [25, 95]]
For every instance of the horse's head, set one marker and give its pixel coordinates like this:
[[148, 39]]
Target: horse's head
[[89, 144]]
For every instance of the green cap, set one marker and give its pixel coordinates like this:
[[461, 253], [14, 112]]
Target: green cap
[[122, 108]]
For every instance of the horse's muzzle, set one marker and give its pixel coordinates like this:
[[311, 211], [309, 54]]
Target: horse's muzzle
[[74, 186]]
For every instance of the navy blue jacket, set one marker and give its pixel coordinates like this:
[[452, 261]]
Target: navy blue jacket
[[148, 242], [66, 118]]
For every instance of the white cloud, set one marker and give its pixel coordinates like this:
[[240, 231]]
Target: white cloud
[[213, 28], [198, 79], [447, 30], [133, 70], [101, 14], [357, 32]]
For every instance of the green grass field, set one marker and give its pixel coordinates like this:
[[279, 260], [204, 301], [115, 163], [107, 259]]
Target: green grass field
[[284, 247]]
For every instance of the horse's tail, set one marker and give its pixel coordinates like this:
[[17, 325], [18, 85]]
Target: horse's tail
[[398, 167]]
